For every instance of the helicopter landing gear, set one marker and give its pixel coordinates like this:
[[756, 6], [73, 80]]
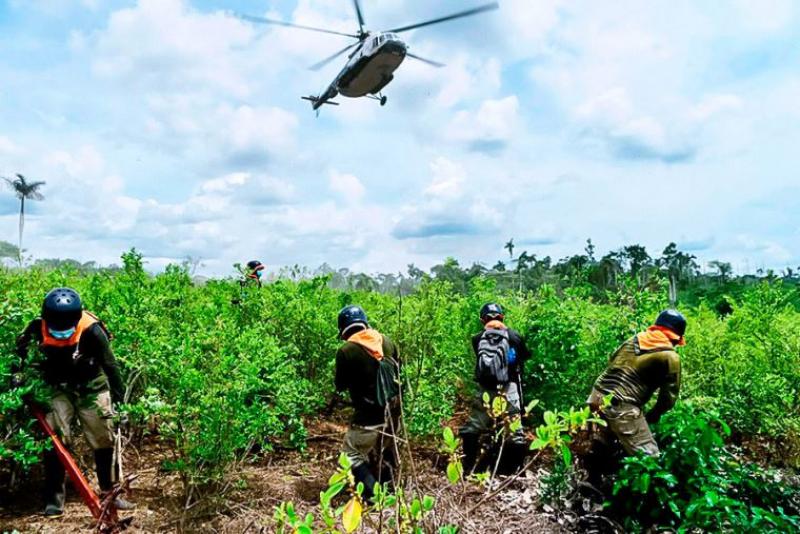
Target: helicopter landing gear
[[380, 98]]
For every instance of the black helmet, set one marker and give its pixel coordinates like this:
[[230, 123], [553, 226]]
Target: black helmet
[[254, 265], [674, 320], [349, 316], [62, 308], [492, 310]]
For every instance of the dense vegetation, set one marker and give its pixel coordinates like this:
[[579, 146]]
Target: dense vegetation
[[219, 371]]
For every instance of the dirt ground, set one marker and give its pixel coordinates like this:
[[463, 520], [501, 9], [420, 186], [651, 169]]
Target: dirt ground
[[257, 487]]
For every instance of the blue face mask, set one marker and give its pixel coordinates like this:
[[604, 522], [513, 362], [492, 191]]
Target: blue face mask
[[62, 334], [259, 274]]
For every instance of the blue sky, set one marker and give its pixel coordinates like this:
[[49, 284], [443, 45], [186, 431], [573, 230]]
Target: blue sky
[[176, 128]]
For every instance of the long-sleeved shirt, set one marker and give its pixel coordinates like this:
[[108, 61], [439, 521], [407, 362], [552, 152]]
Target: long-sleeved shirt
[[516, 342], [642, 365], [357, 372], [76, 367]]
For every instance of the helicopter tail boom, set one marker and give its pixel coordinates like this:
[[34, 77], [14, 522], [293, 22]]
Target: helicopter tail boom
[[317, 102]]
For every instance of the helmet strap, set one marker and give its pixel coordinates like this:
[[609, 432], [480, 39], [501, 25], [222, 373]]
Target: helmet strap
[[343, 334]]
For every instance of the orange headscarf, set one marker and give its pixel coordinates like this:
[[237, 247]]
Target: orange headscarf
[[371, 340]]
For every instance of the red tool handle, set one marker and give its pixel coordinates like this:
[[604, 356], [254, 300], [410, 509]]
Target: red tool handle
[[78, 480]]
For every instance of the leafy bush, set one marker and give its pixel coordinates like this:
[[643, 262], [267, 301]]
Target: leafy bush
[[697, 484], [219, 370]]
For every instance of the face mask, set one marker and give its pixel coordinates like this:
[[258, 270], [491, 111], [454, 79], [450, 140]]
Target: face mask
[[61, 334], [259, 273]]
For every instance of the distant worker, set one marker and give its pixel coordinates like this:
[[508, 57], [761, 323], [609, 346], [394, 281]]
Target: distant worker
[[255, 270], [82, 371], [368, 367], [501, 354], [643, 364]]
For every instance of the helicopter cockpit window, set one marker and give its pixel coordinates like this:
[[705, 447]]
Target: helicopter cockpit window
[[375, 42]]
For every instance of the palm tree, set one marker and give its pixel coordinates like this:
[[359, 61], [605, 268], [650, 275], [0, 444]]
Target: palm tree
[[25, 191], [510, 247]]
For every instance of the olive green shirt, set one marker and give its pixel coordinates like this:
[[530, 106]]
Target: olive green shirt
[[633, 375]]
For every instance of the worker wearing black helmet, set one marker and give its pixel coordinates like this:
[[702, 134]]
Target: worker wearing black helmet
[[82, 371], [255, 270], [644, 364], [368, 367], [500, 357]]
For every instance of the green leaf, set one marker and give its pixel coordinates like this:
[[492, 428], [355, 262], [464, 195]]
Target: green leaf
[[499, 405], [449, 438], [454, 471], [337, 477], [344, 461], [567, 455], [416, 509], [333, 491], [428, 503], [351, 516]]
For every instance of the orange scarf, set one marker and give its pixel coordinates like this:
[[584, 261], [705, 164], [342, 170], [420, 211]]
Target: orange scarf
[[658, 337], [371, 340]]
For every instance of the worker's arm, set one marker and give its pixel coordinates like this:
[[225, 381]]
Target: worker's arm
[[24, 341], [108, 362], [670, 388], [342, 380]]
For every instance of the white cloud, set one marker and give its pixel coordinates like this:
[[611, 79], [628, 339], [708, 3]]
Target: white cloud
[[454, 205], [166, 44], [489, 128], [8, 147], [348, 186], [448, 179], [711, 105]]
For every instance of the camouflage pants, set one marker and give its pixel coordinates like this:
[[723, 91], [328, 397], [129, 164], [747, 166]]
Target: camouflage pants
[[626, 424], [373, 445], [94, 412], [481, 423]]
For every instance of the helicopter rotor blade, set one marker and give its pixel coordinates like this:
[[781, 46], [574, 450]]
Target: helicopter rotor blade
[[467, 13], [360, 16], [317, 66], [262, 20], [428, 61]]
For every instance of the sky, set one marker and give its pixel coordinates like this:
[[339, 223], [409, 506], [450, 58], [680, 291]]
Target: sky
[[177, 128]]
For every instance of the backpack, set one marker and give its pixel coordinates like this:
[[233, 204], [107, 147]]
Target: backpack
[[387, 386], [492, 368]]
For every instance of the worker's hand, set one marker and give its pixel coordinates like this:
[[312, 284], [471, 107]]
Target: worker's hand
[[17, 380]]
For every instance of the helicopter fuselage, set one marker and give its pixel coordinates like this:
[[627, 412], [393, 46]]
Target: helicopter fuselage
[[368, 69], [371, 66]]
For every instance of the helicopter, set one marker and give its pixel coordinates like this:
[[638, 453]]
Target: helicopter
[[374, 58]]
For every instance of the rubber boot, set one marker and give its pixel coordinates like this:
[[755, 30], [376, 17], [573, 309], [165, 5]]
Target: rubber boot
[[54, 485], [363, 474], [513, 458], [104, 459], [470, 444]]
